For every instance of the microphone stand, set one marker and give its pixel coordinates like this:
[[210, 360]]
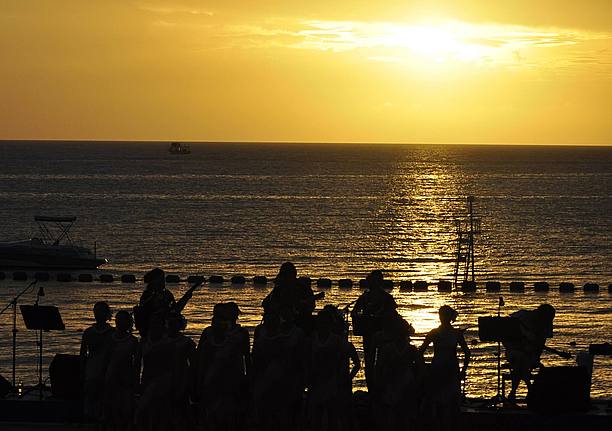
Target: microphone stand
[[13, 304]]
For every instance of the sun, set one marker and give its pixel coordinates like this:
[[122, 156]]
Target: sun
[[438, 42]]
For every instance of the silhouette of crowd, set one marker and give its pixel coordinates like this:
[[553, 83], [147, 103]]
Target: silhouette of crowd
[[294, 372]]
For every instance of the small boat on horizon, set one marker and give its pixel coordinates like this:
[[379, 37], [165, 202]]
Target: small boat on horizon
[[178, 148], [54, 249]]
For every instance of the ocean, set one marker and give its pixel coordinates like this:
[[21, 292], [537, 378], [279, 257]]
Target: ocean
[[336, 211]]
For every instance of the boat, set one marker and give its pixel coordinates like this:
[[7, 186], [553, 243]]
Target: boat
[[178, 148], [54, 249]]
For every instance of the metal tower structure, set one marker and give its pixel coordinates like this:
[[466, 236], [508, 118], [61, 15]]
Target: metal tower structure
[[467, 228]]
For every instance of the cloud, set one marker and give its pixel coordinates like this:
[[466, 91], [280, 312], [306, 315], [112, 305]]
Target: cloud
[[175, 9]]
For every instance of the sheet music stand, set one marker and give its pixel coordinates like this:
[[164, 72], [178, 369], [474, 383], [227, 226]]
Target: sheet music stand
[[499, 329], [41, 318]]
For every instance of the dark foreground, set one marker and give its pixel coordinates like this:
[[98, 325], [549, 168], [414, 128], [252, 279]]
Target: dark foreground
[[61, 414]]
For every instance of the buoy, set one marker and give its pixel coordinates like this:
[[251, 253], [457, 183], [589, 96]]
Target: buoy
[[2, 275], [468, 286], [83, 278], [517, 286], [324, 283], [260, 280], [173, 278], [405, 286], [420, 286], [566, 287], [20, 276], [128, 278], [41, 276], [193, 279], [64, 277], [541, 286], [238, 279], [106, 278], [445, 286], [363, 283], [215, 279], [591, 288], [388, 284], [304, 281], [493, 286], [345, 283]]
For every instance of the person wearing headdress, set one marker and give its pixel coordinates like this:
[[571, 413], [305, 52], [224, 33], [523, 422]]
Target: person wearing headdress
[[367, 316], [443, 387], [122, 374], [524, 354], [95, 352]]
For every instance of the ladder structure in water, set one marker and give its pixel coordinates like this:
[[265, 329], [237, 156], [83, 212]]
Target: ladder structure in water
[[467, 228]]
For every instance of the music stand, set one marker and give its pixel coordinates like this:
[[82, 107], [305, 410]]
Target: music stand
[[41, 318], [499, 329]]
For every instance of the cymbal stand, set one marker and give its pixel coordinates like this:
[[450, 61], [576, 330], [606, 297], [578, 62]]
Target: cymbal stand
[[13, 304]]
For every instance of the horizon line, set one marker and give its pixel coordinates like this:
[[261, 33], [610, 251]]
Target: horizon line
[[279, 142]]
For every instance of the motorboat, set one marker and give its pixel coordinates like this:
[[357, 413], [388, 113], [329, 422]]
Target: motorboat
[[53, 249], [178, 148]]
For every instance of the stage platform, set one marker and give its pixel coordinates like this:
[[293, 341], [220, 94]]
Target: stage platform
[[52, 414]]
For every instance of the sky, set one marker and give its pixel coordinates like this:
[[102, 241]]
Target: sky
[[447, 71]]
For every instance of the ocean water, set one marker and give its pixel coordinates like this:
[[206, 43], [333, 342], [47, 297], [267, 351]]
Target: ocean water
[[334, 210]]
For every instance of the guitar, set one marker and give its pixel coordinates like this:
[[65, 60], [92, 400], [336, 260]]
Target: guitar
[[564, 355], [181, 303]]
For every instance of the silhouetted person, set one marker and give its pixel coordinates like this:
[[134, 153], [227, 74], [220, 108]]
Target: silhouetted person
[[350, 366], [96, 346], [155, 299], [278, 371], [524, 355], [221, 372], [95, 351], [443, 390], [183, 365], [154, 410], [325, 374], [283, 294], [122, 374], [399, 371], [367, 314]]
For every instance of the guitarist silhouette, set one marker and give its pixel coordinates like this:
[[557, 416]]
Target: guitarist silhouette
[[524, 355]]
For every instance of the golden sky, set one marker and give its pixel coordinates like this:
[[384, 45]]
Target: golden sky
[[471, 71]]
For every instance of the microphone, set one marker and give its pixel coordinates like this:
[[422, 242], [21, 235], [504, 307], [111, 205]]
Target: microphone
[[41, 291]]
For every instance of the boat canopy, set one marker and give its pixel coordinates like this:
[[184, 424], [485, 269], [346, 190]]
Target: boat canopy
[[55, 219]]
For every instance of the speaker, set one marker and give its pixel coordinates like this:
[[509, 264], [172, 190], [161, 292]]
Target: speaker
[[65, 376], [560, 390], [5, 387]]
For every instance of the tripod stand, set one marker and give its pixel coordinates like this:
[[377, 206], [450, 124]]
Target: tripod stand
[[13, 304], [41, 318]]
